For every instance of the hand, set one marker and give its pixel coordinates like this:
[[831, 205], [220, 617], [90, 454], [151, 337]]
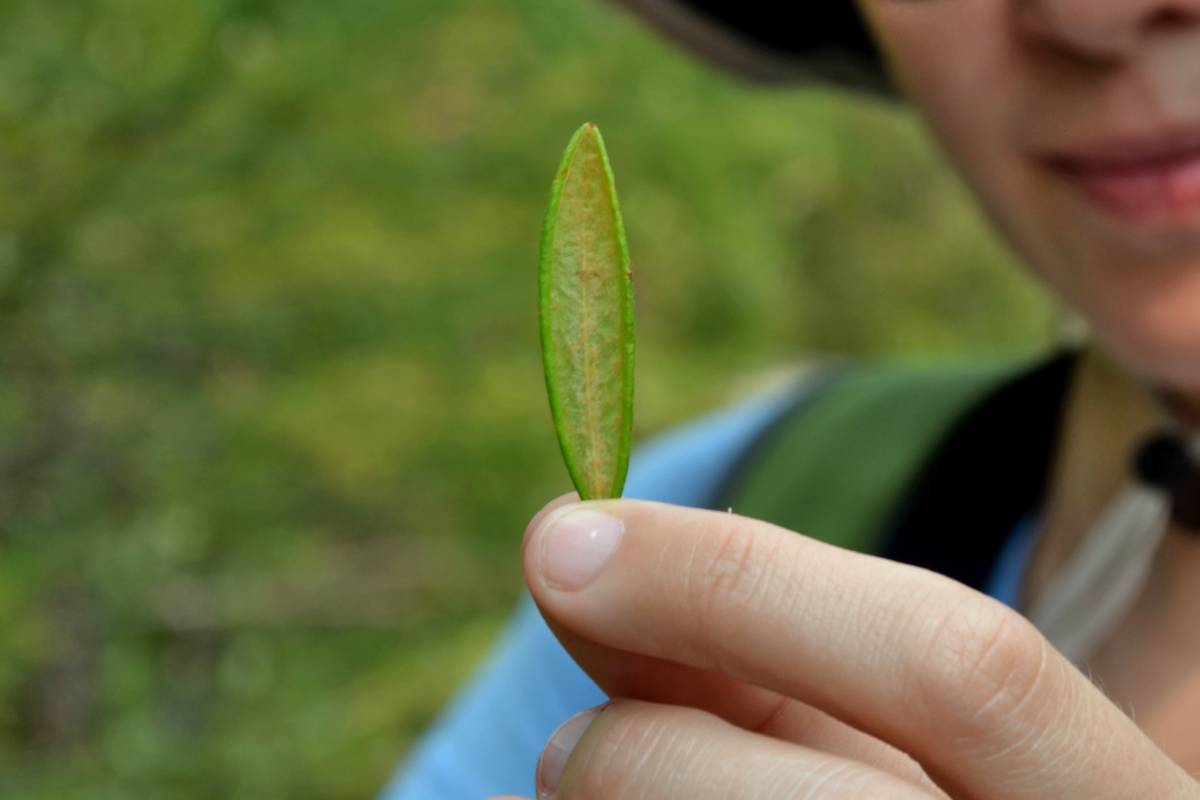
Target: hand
[[753, 662]]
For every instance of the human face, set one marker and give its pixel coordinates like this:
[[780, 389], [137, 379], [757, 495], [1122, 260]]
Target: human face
[[1077, 123]]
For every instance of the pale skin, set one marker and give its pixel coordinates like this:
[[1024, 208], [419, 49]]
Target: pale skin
[[753, 662]]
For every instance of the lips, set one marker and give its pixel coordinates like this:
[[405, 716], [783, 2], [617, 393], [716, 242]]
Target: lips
[[1152, 179]]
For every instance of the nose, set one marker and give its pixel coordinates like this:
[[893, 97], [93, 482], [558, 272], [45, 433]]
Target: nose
[[1104, 30]]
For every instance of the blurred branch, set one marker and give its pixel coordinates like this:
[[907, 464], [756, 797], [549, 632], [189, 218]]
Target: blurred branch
[[377, 585], [61, 702]]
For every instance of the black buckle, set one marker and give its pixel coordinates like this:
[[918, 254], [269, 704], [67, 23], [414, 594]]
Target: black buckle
[[1165, 462]]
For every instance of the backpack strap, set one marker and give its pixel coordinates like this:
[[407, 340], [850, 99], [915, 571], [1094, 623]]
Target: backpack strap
[[842, 461], [987, 475]]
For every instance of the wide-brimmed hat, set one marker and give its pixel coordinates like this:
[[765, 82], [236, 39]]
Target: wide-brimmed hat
[[762, 41]]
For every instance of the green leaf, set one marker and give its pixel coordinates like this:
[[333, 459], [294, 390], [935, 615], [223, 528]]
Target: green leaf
[[586, 310]]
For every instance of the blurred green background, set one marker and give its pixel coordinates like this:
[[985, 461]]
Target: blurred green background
[[271, 414]]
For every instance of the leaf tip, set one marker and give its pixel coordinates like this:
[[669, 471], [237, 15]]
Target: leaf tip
[[590, 131]]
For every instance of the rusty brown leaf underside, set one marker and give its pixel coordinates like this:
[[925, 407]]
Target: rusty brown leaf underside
[[586, 313]]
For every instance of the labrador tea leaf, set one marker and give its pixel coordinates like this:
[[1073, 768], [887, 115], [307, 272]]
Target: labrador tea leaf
[[586, 314]]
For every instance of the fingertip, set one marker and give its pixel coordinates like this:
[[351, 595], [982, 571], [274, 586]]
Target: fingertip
[[545, 511], [559, 747]]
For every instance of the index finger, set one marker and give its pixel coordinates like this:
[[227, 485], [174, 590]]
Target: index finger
[[957, 680]]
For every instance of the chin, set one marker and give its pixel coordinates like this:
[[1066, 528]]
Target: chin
[[1153, 330], [1138, 289]]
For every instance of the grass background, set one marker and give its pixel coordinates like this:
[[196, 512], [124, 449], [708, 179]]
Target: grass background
[[271, 415]]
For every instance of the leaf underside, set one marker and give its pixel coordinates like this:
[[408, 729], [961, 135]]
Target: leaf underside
[[586, 311]]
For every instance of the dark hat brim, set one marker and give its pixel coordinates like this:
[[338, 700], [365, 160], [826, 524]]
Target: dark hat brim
[[752, 40]]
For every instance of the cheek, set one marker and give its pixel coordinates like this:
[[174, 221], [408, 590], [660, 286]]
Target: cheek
[[957, 64], [955, 61]]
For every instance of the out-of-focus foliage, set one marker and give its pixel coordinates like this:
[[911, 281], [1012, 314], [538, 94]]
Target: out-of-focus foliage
[[271, 415]]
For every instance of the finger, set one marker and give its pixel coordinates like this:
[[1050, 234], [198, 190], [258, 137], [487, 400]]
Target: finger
[[966, 686], [631, 749], [640, 677], [636, 676], [562, 500]]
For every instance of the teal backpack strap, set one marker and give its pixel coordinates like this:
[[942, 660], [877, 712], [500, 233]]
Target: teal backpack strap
[[838, 463]]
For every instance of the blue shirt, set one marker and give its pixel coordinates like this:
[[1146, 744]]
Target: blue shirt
[[489, 739]]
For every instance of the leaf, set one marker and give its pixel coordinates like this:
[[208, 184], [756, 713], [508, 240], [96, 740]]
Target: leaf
[[586, 312]]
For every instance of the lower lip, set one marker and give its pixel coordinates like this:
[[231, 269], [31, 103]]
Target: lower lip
[[1160, 193]]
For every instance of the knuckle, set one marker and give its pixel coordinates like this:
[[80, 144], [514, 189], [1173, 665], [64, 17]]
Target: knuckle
[[725, 575], [982, 664], [843, 779], [836, 778], [629, 743], [871, 785]]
